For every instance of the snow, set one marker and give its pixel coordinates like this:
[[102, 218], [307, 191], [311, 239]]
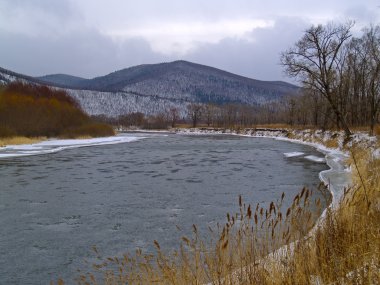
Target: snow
[[293, 154], [376, 154], [113, 104], [55, 145], [315, 158]]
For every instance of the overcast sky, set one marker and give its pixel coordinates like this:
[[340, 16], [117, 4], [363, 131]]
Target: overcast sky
[[90, 38]]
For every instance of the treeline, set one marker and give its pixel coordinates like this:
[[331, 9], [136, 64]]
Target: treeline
[[34, 110], [341, 77], [210, 115]]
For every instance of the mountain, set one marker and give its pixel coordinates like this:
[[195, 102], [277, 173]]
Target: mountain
[[110, 104], [189, 81], [153, 88], [7, 76], [62, 79]]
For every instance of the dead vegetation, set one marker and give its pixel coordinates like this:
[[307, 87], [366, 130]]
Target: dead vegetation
[[19, 140]]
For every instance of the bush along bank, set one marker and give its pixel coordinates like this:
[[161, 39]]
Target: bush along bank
[[28, 110]]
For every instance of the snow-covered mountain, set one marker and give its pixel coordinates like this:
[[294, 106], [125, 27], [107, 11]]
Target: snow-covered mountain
[[184, 80], [153, 88], [111, 104], [7, 76]]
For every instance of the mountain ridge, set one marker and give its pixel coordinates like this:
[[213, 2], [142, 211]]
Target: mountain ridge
[[150, 88], [128, 75], [61, 79]]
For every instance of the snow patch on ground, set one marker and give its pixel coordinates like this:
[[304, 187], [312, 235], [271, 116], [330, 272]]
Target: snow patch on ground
[[376, 153]]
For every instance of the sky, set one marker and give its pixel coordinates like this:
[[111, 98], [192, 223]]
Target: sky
[[90, 38]]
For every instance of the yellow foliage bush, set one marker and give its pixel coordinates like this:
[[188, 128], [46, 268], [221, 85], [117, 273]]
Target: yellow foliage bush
[[31, 110]]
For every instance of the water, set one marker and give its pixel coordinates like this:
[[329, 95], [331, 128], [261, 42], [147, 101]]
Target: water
[[55, 207]]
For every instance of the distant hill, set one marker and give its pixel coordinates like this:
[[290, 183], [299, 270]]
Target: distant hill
[[62, 79], [152, 88]]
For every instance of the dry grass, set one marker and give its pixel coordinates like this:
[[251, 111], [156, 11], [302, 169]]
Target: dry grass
[[366, 129], [286, 126], [89, 130], [236, 252], [332, 143], [20, 140], [376, 130], [271, 246]]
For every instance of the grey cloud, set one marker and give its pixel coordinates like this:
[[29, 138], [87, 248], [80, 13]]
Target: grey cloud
[[86, 53], [68, 36], [62, 9], [258, 59], [362, 14]]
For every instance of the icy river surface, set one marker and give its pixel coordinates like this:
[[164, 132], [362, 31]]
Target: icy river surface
[[55, 207]]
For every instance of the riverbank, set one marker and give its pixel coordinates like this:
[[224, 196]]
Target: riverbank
[[337, 178], [344, 245], [343, 248]]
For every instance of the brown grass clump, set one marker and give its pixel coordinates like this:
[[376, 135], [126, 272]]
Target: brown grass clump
[[376, 130], [332, 143], [89, 131], [20, 140], [350, 240], [286, 126]]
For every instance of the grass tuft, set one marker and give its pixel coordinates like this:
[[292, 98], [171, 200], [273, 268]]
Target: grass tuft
[[20, 140], [377, 130], [89, 131]]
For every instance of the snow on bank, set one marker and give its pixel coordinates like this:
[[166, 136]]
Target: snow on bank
[[337, 178], [55, 145]]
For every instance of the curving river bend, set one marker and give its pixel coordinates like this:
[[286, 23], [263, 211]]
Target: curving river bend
[[55, 207]]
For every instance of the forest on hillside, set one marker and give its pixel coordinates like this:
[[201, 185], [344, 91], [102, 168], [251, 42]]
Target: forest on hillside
[[34, 110]]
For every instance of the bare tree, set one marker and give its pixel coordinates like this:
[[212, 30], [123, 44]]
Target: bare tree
[[173, 116], [210, 113], [194, 111], [371, 62], [316, 60]]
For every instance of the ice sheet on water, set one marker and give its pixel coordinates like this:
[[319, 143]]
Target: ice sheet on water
[[293, 154], [315, 158], [56, 145]]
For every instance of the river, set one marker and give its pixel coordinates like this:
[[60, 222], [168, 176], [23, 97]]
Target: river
[[54, 207]]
